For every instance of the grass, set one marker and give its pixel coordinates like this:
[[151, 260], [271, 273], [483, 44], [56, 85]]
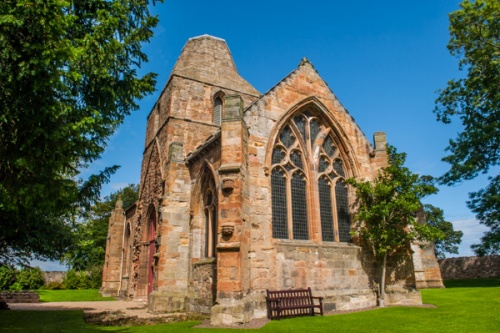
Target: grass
[[465, 306], [88, 295]]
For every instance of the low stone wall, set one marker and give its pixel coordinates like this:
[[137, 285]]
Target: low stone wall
[[470, 267], [53, 276], [19, 297]]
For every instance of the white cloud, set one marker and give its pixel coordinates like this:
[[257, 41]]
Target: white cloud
[[472, 230]]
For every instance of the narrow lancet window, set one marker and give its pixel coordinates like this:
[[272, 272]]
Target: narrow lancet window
[[217, 111]]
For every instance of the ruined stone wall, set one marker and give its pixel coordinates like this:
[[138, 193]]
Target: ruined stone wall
[[182, 140], [53, 276], [203, 286], [470, 267], [111, 281], [19, 297]]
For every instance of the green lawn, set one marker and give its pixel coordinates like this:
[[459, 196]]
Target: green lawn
[[465, 306], [71, 295]]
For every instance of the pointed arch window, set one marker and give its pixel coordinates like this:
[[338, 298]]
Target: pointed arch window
[[210, 211], [308, 173], [217, 111]]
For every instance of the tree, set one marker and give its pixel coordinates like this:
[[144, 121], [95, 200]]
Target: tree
[[475, 99], [451, 238], [387, 207], [87, 253], [486, 204], [68, 78]]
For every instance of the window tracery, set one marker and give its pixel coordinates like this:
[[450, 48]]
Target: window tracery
[[305, 158]]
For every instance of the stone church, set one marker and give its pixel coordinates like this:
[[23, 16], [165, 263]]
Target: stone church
[[243, 191]]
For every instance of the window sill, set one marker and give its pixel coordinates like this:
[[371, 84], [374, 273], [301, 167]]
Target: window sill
[[310, 243]]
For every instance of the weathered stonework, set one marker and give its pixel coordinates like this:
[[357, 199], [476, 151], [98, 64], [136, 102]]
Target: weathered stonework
[[470, 267], [204, 235], [19, 297]]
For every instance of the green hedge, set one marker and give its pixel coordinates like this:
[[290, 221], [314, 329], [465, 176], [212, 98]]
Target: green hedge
[[24, 279]]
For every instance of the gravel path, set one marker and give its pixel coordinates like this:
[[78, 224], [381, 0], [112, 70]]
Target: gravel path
[[122, 312]]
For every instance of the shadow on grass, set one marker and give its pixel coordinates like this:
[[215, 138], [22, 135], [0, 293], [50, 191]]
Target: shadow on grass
[[472, 283]]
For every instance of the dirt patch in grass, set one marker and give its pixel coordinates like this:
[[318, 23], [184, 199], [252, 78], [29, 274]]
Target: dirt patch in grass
[[120, 318]]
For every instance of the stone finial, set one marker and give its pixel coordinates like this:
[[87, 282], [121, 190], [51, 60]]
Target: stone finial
[[304, 61], [119, 202], [380, 140], [233, 108]]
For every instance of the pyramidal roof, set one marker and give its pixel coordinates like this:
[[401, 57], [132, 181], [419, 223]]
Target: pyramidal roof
[[208, 59]]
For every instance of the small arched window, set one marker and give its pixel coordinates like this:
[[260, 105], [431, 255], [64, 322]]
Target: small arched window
[[210, 208], [306, 159], [217, 111]]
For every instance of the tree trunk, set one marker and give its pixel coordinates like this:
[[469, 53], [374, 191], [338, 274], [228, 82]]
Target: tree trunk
[[381, 299]]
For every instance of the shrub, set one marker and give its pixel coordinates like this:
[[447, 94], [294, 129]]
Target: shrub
[[54, 285], [76, 280], [95, 277], [30, 278], [16, 286], [7, 277]]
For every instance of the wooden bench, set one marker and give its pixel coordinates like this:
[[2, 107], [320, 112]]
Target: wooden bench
[[291, 303]]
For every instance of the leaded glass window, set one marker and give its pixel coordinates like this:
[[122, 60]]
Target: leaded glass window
[[339, 169], [306, 151], [296, 159], [280, 216], [299, 207], [344, 221], [325, 204], [287, 138], [278, 155]]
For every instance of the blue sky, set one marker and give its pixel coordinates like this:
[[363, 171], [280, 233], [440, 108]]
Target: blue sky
[[384, 60]]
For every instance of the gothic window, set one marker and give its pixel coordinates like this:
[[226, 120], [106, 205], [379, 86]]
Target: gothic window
[[343, 211], [333, 194], [210, 210], [305, 158], [279, 205], [299, 206], [217, 111]]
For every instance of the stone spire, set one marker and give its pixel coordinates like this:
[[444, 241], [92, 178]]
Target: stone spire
[[119, 202]]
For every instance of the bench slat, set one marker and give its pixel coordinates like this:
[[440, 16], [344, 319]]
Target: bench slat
[[292, 302]]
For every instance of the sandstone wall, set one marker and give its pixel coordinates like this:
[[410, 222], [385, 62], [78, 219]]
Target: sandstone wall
[[470, 267], [19, 297], [53, 276], [181, 121]]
